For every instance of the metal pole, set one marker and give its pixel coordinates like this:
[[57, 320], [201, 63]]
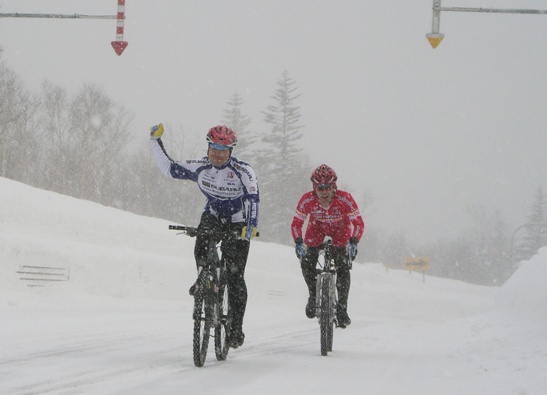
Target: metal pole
[[57, 16], [435, 37], [491, 10], [436, 21], [119, 44]]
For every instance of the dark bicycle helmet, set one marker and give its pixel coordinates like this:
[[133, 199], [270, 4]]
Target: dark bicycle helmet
[[222, 135], [323, 176]]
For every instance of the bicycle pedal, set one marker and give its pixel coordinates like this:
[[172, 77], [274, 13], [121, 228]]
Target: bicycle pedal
[[193, 289]]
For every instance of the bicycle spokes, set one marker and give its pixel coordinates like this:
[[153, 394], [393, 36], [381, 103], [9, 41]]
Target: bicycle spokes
[[326, 298], [223, 325], [202, 329]]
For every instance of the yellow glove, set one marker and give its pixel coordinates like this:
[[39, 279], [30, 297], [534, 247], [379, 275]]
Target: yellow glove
[[156, 131], [250, 234]]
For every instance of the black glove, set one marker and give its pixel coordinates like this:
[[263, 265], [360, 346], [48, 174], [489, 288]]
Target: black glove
[[352, 247], [299, 248]]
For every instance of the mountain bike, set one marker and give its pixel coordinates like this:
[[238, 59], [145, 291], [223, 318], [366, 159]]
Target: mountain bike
[[325, 296], [211, 304]]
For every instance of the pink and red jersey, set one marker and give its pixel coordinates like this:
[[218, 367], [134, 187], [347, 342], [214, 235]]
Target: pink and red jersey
[[341, 220]]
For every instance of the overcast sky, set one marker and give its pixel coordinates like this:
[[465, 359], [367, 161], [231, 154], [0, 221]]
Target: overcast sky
[[427, 132]]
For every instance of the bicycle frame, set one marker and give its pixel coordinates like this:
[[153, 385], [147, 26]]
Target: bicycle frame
[[211, 305]]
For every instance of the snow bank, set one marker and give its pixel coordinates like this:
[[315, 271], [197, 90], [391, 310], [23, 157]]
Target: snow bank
[[107, 251], [525, 293]]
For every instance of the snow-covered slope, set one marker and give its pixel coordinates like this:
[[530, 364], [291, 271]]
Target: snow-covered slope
[[122, 322]]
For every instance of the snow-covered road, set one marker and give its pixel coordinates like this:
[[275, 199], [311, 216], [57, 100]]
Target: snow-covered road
[[122, 323]]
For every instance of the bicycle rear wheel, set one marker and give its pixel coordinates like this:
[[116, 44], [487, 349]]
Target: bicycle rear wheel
[[223, 323], [326, 321], [202, 328]]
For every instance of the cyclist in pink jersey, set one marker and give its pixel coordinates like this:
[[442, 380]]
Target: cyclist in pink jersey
[[330, 212]]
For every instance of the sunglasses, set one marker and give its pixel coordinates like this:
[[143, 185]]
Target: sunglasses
[[323, 187], [218, 147]]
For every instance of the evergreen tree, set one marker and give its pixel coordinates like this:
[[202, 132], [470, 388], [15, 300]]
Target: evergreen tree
[[282, 169], [234, 118], [536, 229], [284, 116]]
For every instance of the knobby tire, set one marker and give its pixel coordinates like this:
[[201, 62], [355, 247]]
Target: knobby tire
[[223, 323], [202, 329], [325, 318], [332, 308]]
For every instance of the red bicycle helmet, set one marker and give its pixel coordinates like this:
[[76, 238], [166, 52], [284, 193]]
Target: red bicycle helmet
[[323, 176], [222, 135]]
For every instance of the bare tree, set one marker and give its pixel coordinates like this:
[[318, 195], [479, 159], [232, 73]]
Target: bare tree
[[55, 128], [143, 189], [86, 136], [17, 140]]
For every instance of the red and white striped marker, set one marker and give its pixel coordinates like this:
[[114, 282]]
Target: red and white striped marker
[[119, 45]]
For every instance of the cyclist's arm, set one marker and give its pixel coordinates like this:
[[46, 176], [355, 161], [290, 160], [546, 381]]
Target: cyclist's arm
[[252, 211], [358, 226], [251, 195], [355, 218], [299, 217], [296, 227], [171, 168]]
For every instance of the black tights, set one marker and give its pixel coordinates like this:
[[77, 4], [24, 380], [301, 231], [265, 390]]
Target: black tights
[[343, 276], [234, 253]]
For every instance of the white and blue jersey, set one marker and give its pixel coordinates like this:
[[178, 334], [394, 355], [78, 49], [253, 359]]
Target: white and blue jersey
[[231, 191]]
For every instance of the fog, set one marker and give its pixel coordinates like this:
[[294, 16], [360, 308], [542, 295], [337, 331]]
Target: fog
[[427, 132]]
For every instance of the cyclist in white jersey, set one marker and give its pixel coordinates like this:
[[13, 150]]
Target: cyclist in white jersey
[[232, 200]]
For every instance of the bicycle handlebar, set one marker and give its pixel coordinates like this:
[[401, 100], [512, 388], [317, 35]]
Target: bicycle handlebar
[[191, 231]]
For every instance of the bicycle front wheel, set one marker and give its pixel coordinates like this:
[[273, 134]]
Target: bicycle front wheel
[[326, 318], [332, 311], [223, 323], [202, 328]]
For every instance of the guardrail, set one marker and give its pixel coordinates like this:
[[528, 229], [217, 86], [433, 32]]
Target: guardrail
[[39, 276]]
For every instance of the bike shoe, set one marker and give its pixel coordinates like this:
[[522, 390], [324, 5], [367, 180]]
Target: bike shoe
[[237, 337], [310, 308], [343, 318]]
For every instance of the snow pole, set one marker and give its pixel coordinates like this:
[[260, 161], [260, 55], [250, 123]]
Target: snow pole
[[119, 45]]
